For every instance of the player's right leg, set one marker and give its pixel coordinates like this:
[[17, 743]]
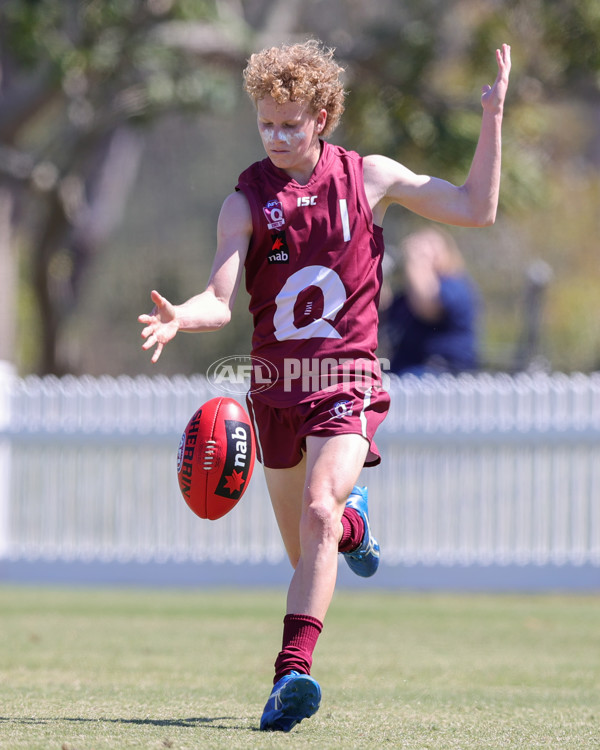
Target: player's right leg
[[362, 551]]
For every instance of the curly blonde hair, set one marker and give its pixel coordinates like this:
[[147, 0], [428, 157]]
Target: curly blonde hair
[[298, 72]]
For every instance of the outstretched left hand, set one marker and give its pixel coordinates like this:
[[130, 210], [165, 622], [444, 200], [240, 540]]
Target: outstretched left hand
[[492, 97]]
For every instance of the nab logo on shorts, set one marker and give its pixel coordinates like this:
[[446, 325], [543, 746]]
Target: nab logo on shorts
[[279, 249]]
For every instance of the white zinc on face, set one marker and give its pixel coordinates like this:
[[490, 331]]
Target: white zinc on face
[[272, 135], [290, 123], [289, 133]]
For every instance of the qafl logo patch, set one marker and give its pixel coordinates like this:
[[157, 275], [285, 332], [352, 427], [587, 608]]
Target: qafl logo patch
[[274, 214]]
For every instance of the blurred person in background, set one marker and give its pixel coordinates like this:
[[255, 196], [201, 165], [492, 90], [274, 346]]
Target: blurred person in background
[[431, 325]]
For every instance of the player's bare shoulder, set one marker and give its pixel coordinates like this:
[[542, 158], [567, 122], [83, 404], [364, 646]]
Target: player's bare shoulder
[[388, 181], [383, 178], [235, 216], [375, 173], [234, 231]]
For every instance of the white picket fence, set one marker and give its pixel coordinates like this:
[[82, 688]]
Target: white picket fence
[[477, 470]]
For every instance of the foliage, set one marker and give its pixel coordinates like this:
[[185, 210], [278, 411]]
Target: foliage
[[413, 97], [79, 79], [398, 106], [413, 94], [84, 86]]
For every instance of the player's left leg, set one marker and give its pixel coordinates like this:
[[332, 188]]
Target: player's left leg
[[332, 468], [333, 465]]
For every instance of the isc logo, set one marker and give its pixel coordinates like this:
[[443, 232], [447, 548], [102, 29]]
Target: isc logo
[[306, 200]]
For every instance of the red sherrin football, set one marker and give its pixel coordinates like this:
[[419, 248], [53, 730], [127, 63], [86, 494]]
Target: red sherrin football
[[216, 457]]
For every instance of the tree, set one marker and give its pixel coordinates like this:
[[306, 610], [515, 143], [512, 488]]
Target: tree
[[78, 83]]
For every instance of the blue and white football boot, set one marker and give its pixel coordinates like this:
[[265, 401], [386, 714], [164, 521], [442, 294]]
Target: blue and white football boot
[[364, 560], [293, 698]]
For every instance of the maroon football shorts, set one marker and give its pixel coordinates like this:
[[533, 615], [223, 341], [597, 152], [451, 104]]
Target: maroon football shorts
[[281, 431]]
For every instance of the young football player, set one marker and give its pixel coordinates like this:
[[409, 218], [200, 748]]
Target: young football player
[[306, 226]]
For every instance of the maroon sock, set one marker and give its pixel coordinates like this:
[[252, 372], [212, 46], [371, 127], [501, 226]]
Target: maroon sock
[[300, 634], [353, 530]]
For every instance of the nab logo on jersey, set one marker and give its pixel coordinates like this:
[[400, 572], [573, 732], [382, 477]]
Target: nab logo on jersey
[[279, 249], [306, 200]]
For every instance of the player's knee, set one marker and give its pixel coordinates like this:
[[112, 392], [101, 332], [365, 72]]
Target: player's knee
[[320, 522]]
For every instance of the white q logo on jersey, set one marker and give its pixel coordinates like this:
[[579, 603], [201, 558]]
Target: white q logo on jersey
[[334, 296]]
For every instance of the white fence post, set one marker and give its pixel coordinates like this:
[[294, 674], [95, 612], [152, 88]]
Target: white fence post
[[7, 373]]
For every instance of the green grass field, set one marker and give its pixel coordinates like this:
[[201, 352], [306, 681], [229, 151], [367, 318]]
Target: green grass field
[[118, 668]]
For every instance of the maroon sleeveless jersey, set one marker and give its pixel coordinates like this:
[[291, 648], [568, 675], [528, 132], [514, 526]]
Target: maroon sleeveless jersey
[[313, 272]]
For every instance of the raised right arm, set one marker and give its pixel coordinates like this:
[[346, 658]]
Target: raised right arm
[[211, 309]]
